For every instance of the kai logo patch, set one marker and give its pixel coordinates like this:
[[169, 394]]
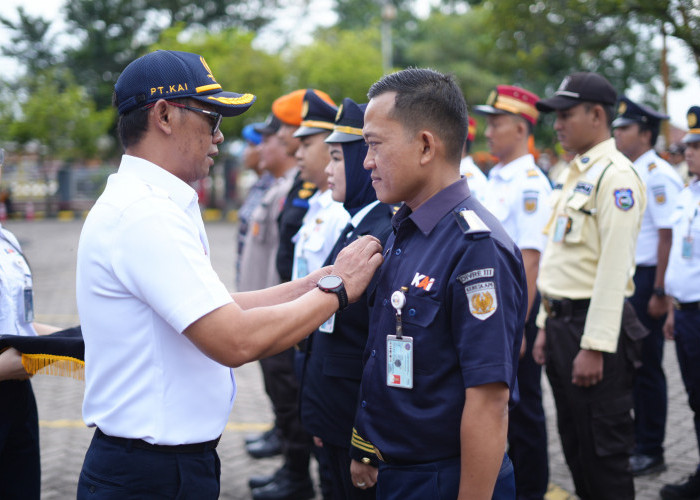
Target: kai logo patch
[[659, 194], [482, 299], [624, 199], [423, 281], [530, 201]]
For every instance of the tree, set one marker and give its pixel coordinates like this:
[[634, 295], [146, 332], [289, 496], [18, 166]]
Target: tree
[[30, 43], [61, 118], [340, 62]]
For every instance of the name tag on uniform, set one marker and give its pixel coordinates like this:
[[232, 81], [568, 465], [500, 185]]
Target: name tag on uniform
[[687, 248], [27, 306], [302, 267], [327, 326], [561, 227], [399, 362]]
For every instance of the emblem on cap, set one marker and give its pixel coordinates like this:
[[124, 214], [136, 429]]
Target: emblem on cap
[[206, 66], [339, 113], [304, 108], [492, 97], [692, 120], [622, 107]]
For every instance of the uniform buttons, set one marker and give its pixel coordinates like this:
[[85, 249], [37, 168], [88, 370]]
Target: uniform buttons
[[364, 404], [397, 251], [374, 353], [411, 312]]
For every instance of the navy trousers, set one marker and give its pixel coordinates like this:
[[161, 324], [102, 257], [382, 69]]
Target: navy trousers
[[436, 481], [527, 428], [338, 460], [20, 469], [650, 397], [115, 471], [687, 334]]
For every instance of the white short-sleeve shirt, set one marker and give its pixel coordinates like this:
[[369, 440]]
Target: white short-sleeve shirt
[[663, 185], [518, 195], [318, 233], [16, 303], [478, 183], [683, 272], [143, 276]]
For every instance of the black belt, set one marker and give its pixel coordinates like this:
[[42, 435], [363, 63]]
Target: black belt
[[557, 308], [686, 306], [163, 448]]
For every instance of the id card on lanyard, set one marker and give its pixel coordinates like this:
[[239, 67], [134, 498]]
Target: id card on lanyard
[[688, 240]]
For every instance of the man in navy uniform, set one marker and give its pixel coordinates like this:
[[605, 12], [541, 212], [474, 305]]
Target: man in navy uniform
[[449, 305], [636, 129], [682, 277], [333, 366]]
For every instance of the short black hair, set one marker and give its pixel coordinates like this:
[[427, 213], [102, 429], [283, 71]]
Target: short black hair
[[653, 129], [608, 108], [133, 124], [428, 99]]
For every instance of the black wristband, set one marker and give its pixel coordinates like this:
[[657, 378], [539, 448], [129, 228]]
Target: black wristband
[[659, 292]]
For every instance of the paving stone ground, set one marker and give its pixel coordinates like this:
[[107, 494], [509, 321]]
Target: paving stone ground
[[51, 249]]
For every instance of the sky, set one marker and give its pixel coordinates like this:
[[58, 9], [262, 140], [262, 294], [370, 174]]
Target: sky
[[678, 101]]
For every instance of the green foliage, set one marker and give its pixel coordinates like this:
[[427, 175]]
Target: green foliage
[[342, 63], [237, 66], [30, 43], [59, 115]]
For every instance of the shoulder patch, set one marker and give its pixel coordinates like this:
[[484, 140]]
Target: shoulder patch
[[308, 185], [530, 201], [482, 299], [624, 199], [465, 278], [470, 223], [651, 166], [532, 172], [584, 187], [659, 194]]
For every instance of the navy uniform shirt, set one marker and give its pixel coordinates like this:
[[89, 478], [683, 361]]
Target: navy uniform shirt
[[465, 309], [334, 365], [290, 220]]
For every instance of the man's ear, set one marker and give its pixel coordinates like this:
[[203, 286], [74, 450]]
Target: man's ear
[[161, 117], [428, 144]]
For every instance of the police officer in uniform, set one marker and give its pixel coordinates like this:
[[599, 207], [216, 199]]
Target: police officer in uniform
[[682, 278], [333, 364], [518, 195], [448, 308], [636, 129], [475, 176], [585, 275]]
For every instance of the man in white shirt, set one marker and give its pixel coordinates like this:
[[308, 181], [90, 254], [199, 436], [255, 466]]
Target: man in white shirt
[[636, 129], [160, 328], [518, 195]]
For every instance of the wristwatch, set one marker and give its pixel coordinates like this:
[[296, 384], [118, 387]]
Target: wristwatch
[[334, 284], [659, 292]]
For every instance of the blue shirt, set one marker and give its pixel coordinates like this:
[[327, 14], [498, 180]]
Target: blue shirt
[[465, 309]]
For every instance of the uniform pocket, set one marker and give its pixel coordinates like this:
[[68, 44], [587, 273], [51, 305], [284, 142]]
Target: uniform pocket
[[612, 426]]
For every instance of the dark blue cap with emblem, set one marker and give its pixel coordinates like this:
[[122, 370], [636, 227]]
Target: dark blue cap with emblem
[[629, 112], [317, 115], [348, 122], [693, 134], [577, 88], [170, 74]]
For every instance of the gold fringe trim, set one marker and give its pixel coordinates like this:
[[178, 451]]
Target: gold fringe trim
[[49, 364]]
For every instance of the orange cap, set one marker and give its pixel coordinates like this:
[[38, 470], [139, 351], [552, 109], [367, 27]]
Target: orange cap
[[288, 107]]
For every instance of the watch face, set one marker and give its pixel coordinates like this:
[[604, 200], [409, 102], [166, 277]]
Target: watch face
[[329, 282]]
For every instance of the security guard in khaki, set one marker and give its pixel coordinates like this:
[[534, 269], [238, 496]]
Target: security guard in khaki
[[585, 275]]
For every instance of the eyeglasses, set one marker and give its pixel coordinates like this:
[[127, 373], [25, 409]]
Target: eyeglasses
[[213, 115]]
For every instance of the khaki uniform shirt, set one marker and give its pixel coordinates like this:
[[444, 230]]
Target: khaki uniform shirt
[[592, 236]]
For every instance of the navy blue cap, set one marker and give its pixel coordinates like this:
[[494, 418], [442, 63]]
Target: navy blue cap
[[170, 74], [693, 134], [629, 112], [577, 88], [317, 115], [271, 125], [250, 134], [348, 122]]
